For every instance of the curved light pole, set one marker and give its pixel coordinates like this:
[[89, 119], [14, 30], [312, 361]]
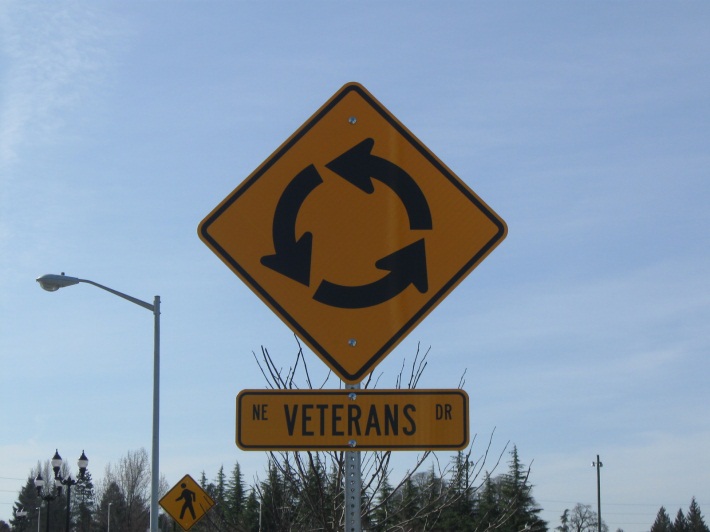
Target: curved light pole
[[52, 283]]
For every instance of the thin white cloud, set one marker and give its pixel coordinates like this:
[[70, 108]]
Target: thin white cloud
[[51, 61]]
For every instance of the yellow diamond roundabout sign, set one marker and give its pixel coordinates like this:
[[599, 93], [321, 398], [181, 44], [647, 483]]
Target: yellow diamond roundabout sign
[[352, 231]]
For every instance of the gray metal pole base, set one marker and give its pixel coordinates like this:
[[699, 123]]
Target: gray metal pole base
[[353, 485]]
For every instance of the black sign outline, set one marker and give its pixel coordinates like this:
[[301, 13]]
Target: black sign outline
[[433, 300], [344, 393]]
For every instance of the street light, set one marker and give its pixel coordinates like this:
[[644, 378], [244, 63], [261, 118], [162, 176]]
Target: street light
[[83, 463], [20, 516], [598, 465], [52, 283], [49, 497]]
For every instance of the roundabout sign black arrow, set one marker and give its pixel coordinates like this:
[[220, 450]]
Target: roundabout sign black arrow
[[359, 167], [293, 257], [406, 266]]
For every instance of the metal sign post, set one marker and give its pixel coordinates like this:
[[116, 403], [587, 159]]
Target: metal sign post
[[353, 481]]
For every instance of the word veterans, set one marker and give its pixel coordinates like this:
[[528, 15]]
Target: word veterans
[[352, 419], [331, 416]]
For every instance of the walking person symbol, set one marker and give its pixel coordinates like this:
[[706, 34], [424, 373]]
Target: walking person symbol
[[188, 497]]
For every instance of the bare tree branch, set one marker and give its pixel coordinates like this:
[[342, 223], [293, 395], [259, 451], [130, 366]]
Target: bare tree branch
[[317, 477]]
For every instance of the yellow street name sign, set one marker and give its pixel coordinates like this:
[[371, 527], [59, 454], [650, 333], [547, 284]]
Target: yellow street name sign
[[354, 419]]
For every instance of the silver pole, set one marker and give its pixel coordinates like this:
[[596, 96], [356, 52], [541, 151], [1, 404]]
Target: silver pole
[[155, 473], [353, 484], [51, 283], [598, 464]]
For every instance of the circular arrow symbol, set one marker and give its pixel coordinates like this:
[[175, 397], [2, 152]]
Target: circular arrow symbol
[[406, 266], [293, 257], [358, 166]]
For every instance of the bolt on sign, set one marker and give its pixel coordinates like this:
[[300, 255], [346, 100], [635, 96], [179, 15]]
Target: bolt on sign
[[352, 231], [186, 502], [348, 420]]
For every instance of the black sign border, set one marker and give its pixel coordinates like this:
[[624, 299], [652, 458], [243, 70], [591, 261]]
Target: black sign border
[[433, 301]]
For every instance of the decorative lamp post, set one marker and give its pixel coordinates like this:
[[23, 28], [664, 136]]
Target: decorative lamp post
[[49, 497], [83, 463], [52, 283], [21, 515]]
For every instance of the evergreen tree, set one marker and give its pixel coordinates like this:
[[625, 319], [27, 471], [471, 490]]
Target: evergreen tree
[[409, 502], [234, 498], [314, 504], [252, 518], [694, 519], [680, 524], [334, 494], [274, 509], [220, 488], [27, 501], [517, 500], [207, 524], [459, 512], [489, 512], [215, 519], [385, 507], [662, 522], [430, 487], [83, 502], [203, 482], [564, 522], [118, 513]]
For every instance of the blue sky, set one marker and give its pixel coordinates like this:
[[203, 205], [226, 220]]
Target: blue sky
[[585, 125]]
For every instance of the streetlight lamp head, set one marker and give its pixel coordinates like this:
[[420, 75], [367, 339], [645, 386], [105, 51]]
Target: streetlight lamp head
[[52, 282], [39, 483], [56, 463], [83, 463]]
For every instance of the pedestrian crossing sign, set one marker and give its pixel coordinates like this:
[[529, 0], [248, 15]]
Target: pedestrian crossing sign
[[186, 502]]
